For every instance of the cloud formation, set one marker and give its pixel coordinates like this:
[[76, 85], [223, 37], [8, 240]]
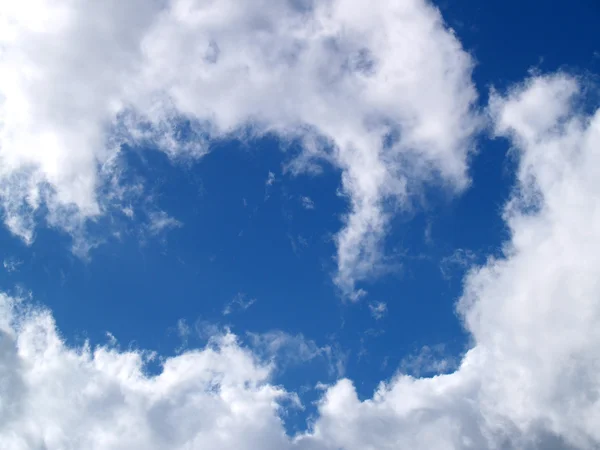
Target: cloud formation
[[378, 310], [530, 381], [239, 303], [382, 92], [52, 396]]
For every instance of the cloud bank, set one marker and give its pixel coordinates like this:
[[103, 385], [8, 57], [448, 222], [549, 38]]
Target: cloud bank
[[530, 380], [382, 91]]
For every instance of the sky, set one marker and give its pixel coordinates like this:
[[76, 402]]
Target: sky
[[297, 224]]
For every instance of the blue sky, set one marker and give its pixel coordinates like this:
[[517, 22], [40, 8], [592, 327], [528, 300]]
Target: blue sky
[[210, 226]]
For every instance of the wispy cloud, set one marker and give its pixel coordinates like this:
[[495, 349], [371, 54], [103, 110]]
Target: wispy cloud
[[184, 332], [307, 202], [288, 350], [298, 243], [378, 310], [241, 302], [12, 264], [428, 361], [269, 184], [270, 179], [458, 261], [160, 221]]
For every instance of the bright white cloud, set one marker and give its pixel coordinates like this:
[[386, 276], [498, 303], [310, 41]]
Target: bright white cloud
[[536, 313], [382, 91], [54, 397], [61, 85], [529, 382], [77, 79]]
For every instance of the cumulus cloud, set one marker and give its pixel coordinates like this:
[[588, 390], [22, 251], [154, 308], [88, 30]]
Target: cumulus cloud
[[61, 85], [382, 92], [535, 312], [53, 396], [530, 381]]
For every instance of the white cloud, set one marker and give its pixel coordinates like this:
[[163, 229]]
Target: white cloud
[[269, 184], [529, 382], [12, 264], [160, 221], [77, 80], [270, 179], [307, 202], [62, 71], [52, 396], [531, 379], [428, 360], [239, 303], [378, 310], [536, 312]]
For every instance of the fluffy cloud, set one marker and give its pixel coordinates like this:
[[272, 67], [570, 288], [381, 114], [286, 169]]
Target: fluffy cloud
[[52, 396], [536, 312], [530, 381], [382, 91]]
